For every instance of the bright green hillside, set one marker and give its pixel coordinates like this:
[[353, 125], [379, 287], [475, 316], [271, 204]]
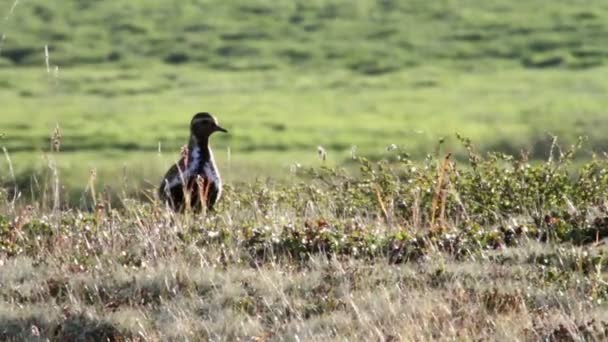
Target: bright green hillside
[[365, 36], [288, 76]]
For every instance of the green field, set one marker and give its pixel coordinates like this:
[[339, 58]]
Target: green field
[[280, 118], [286, 78], [407, 231]]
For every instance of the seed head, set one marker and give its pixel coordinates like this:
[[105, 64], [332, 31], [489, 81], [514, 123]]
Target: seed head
[[185, 154], [56, 139], [294, 168], [353, 152], [322, 153], [93, 174]]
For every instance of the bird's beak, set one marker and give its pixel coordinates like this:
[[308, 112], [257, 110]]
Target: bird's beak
[[221, 129]]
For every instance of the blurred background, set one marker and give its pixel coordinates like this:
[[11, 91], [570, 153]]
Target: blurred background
[[119, 81]]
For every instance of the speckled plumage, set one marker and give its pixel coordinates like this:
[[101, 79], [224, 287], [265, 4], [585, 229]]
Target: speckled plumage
[[195, 175]]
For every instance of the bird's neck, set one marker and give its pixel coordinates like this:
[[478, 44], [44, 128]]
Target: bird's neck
[[200, 145]]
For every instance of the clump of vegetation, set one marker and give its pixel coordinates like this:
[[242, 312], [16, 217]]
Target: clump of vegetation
[[497, 247]]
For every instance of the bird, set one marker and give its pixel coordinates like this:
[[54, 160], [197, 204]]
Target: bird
[[194, 181]]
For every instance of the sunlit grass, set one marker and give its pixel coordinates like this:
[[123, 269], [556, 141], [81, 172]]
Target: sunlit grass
[[498, 249], [279, 118]]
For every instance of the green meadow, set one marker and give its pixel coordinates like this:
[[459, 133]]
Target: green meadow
[[277, 119], [122, 80]]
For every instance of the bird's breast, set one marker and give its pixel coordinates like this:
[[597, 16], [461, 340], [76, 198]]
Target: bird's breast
[[209, 172]]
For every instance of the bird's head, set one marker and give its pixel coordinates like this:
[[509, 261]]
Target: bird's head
[[205, 124]]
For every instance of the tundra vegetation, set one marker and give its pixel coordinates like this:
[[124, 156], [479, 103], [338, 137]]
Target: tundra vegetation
[[352, 209]]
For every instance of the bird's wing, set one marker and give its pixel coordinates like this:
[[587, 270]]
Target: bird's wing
[[174, 176]]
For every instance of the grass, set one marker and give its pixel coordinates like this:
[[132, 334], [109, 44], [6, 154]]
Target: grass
[[174, 299], [446, 251], [405, 232], [336, 110], [365, 36], [513, 110], [289, 77]]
